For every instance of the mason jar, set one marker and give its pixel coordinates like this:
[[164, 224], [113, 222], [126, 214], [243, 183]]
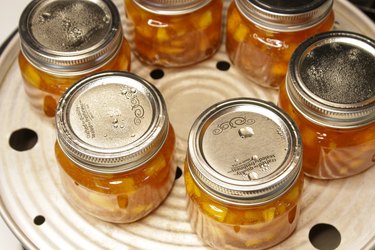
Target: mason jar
[[243, 175], [63, 41], [262, 34], [174, 33], [329, 91], [115, 146]]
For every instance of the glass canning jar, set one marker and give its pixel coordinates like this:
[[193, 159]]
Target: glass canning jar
[[63, 41], [243, 175], [262, 34], [329, 91], [115, 146], [174, 33]]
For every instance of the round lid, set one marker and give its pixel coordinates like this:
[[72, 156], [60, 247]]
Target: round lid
[[244, 151], [331, 79], [111, 122], [291, 15], [171, 7], [62, 36]]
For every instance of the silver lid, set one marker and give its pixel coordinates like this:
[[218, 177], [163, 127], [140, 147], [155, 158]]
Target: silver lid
[[244, 151], [111, 122], [330, 79], [171, 7], [70, 37], [291, 15]]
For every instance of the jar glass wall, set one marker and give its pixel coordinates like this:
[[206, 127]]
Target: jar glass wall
[[329, 93], [331, 153], [44, 88], [79, 43], [226, 226], [243, 175], [262, 52], [115, 146], [172, 34], [122, 197]]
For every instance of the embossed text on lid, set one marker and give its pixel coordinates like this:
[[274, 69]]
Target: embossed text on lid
[[68, 36], [112, 121], [244, 151], [331, 79]]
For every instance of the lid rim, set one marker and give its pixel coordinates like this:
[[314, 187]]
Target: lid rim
[[236, 191], [284, 22], [171, 7], [104, 159], [70, 62], [317, 109]]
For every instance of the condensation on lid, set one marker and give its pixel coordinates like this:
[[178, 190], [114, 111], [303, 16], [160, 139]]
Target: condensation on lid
[[68, 26], [111, 121], [171, 7], [331, 79], [340, 71], [244, 150], [61, 35]]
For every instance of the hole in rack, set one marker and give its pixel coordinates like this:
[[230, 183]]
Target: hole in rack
[[324, 237], [39, 220], [178, 173], [23, 139], [157, 74], [223, 65]]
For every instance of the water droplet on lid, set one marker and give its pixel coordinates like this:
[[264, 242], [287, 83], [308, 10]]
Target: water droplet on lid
[[133, 90], [255, 157], [106, 19], [133, 135], [115, 125], [123, 92], [115, 121], [44, 17], [253, 176], [246, 132], [265, 167]]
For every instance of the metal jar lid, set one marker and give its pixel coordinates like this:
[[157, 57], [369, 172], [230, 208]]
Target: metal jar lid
[[330, 79], [64, 37], [111, 122], [291, 15], [171, 7], [244, 151]]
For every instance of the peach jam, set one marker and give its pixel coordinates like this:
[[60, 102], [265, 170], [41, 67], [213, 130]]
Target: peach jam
[[243, 175], [262, 34], [174, 33], [329, 91], [114, 146], [63, 41]]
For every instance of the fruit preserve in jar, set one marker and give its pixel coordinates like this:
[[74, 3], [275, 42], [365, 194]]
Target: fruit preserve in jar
[[243, 175], [63, 41], [262, 34], [329, 91], [115, 146], [174, 33]]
